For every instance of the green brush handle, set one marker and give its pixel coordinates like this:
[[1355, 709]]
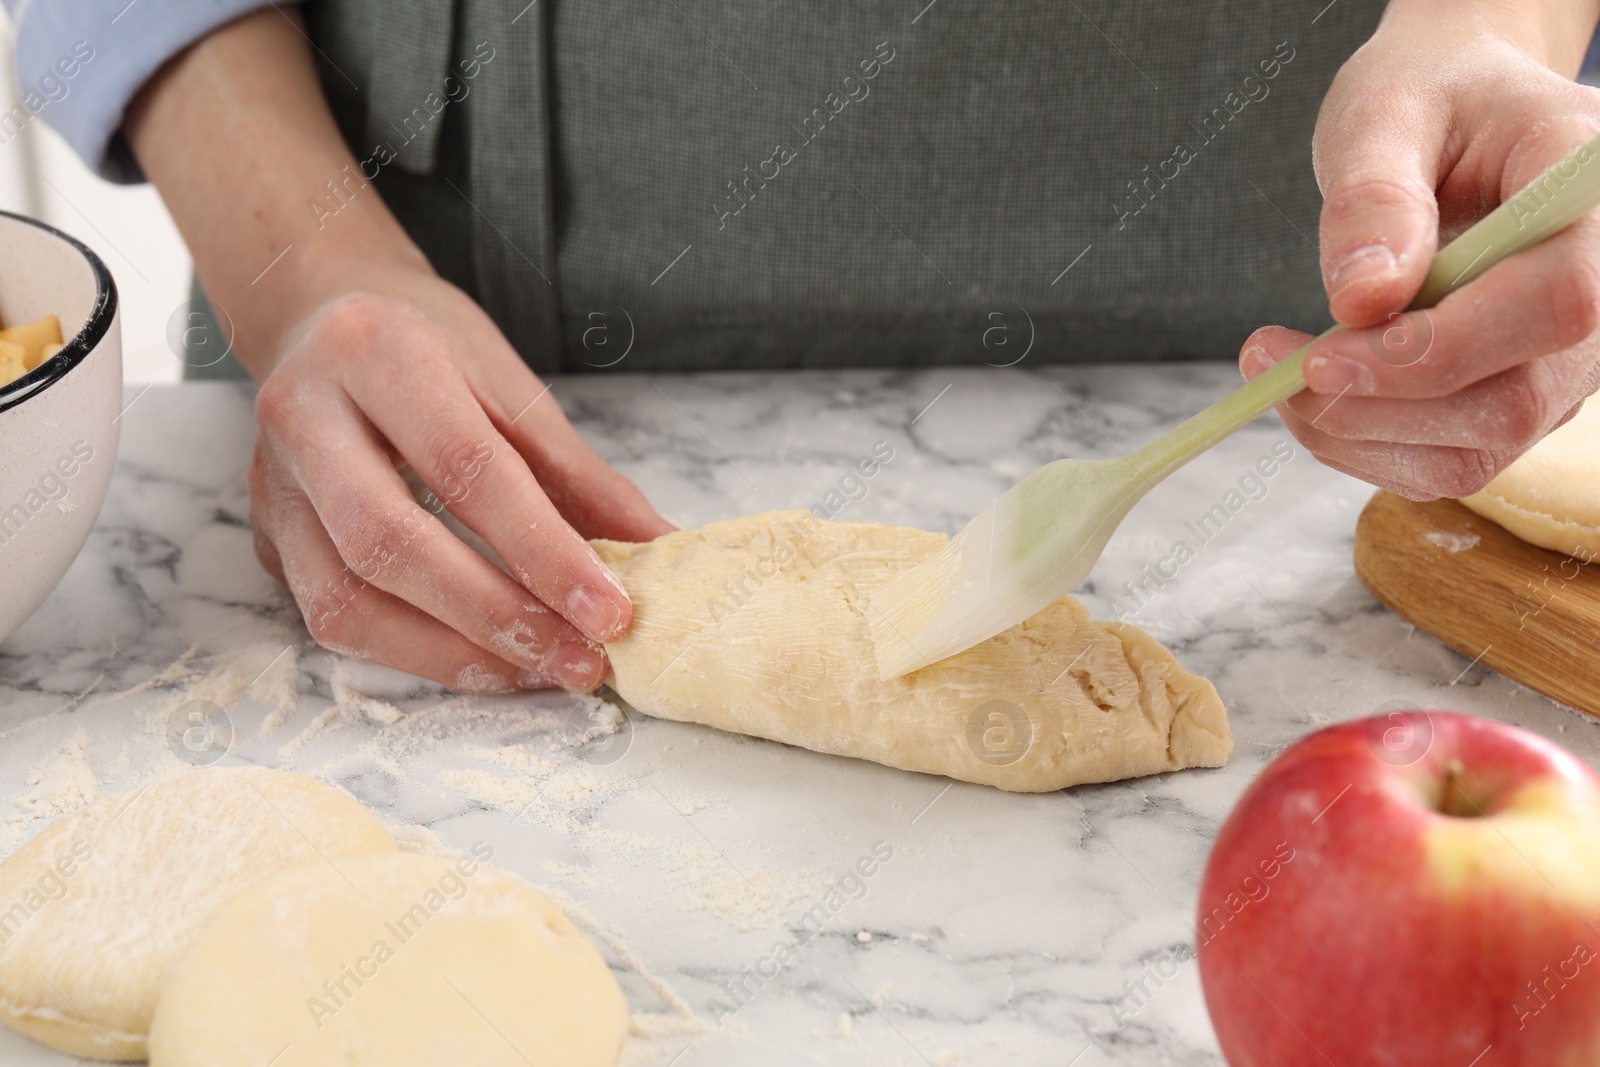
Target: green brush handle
[[1549, 204]]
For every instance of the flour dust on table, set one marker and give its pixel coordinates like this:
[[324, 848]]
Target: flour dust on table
[[1008, 925]]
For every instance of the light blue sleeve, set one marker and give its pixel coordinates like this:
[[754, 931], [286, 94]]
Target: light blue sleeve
[[79, 63]]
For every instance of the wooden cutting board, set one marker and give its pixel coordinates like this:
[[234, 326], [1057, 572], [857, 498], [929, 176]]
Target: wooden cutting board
[[1531, 614]]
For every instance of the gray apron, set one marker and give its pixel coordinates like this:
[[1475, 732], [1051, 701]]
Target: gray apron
[[687, 184]]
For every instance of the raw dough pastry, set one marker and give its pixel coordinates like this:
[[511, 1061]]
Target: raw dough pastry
[[392, 960], [94, 908], [757, 626], [1551, 496]]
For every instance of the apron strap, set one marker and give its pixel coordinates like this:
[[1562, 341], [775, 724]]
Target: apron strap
[[509, 172], [408, 92]]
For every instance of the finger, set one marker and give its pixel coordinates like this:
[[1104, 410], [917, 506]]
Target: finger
[[1571, 414], [1511, 411], [1378, 158], [351, 617], [1380, 480], [1266, 348], [1425, 449], [1537, 302], [594, 496], [396, 546], [266, 551], [590, 493], [1418, 472], [468, 464]]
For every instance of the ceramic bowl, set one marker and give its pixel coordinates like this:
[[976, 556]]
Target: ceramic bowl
[[59, 423]]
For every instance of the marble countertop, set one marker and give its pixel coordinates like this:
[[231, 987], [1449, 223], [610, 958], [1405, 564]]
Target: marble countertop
[[999, 929]]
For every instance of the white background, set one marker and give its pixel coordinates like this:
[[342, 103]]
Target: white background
[[127, 225]]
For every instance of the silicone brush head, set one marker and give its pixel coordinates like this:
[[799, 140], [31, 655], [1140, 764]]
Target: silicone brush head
[[1026, 550]]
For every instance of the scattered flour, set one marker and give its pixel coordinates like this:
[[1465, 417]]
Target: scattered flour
[[266, 670], [345, 693], [694, 876], [605, 716], [1450, 542], [570, 787], [504, 793], [537, 781], [349, 705], [174, 672], [66, 783], [279, 683], [55, 785], [411, 735], [519, 758], [338, 714]]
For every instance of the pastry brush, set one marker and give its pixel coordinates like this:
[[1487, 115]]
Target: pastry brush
[[1035, 543]]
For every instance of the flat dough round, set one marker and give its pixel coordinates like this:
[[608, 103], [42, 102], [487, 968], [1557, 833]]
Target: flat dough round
[[94, 908], [1550, 497], [389, 961], [758, 626]]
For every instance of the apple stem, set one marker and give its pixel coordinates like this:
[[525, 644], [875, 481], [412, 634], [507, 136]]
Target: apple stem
[[1454, 800]]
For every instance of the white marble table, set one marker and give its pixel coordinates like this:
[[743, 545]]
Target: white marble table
[[1004, 929]]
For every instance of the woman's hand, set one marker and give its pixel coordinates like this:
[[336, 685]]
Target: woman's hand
[[424, 378], [1432, 124], [368, 361]]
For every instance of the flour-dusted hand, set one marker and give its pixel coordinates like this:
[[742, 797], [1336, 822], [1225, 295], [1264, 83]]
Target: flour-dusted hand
[[371, 382], [368, 361], [1450, 109]]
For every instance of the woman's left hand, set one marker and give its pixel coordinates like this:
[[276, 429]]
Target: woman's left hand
[[1430, 125]]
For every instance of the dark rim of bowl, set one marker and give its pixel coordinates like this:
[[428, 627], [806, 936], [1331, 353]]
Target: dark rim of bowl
[[85, 341]]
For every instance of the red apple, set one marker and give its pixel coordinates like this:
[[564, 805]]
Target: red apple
[[1420, 889]]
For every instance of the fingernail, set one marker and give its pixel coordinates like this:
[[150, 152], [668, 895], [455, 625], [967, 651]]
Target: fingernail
[[1256, 361], [579, 667], [1367, 264], [1335, 374], [595, 614]]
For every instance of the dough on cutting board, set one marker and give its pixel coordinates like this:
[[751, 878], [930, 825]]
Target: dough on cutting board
[[757, 626], [1550, 497], [393, 959], [94, 908]]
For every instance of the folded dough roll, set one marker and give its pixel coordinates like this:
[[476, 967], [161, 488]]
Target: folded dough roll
[[758, 626]]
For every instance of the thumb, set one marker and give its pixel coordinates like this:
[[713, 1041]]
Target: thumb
[[1377, 164]]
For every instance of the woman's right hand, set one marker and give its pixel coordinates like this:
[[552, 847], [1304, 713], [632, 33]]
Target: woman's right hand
[[422, 377]]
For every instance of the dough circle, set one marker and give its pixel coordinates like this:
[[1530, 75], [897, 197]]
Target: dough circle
[[390, 960], [758, 626], [1550, 497], [95, 907]]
